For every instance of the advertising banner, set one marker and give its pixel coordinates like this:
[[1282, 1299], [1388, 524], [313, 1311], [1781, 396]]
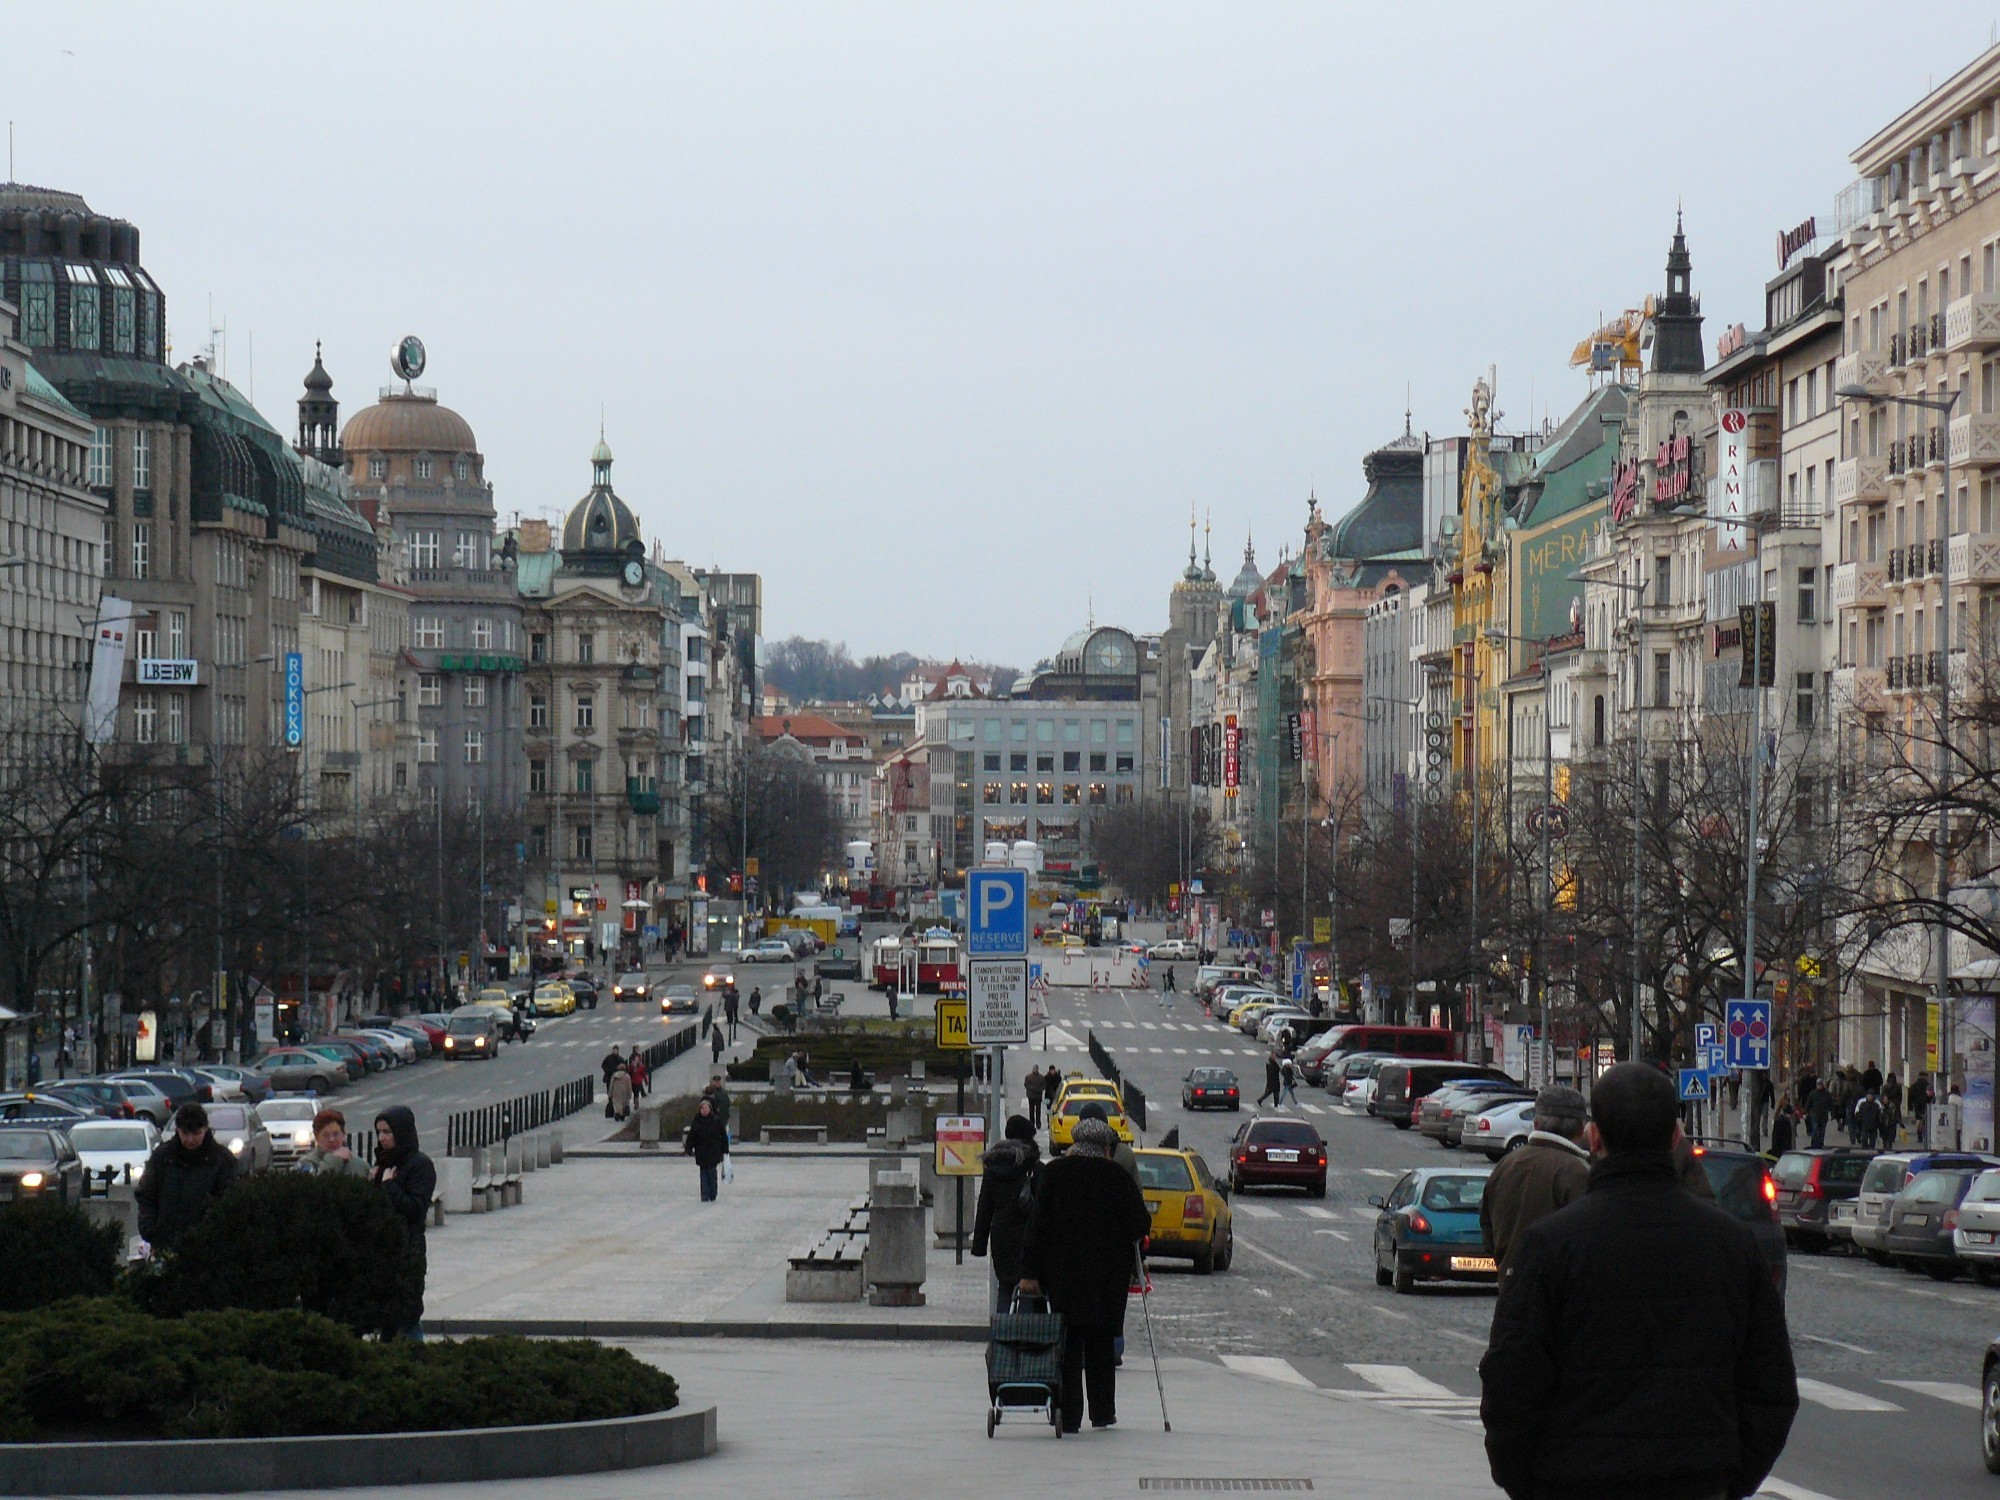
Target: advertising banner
[[1732, 462], [107, 670], [1232, 749]]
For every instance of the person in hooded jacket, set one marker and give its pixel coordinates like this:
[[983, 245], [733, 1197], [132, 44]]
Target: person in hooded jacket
[[1006, 1198], [408, 1179], [1081, 1248], [707, 1141], [186, 1172]]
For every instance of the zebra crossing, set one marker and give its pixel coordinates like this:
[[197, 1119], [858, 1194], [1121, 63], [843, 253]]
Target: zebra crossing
[[1449, 1395]]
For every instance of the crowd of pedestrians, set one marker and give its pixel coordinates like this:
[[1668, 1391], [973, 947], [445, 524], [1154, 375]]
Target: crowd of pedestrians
[[1866, 1106]]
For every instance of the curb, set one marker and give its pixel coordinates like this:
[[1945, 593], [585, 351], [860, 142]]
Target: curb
[[237, 1465], [610, 1330], [669, 1153]]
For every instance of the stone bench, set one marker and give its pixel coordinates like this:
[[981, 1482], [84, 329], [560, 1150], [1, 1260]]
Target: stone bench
[[767, 1134], [828, 1270]]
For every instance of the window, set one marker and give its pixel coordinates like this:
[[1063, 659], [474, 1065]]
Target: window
[[427, 632], [378, 467], [538, 841], [83, 308], [1663, 580], [990, 761], [142, 459], [423, 549], [427, 747], [585, 769], [97, 472], [538, 646], [1125, 731], [465, 551], [1663, 679], [1045, 765], [586, 712], [1072, 731], [430, 690], [1122, 765], [1808, 604], [38, 304], [145, 718], [461, 468], [177, 630], [475, 692], [1045, 731], [176, 719], [142, 549], [1072, 794], [1122, 794], [475, 747], [584, 844], [482, 634], [1045, 793], [1097, 728], [423, 468], [538, 711], [993, 792], [1072, 760], [1017, 761], [586, 646], [1097, 761], [1803, 697], [1804, 796], [1017, 793], [1097, 794]]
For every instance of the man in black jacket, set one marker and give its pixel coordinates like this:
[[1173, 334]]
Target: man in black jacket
[[1639, 1345], [408, 1179], [185, 1174], [1006, 1199], [1082, 1248]]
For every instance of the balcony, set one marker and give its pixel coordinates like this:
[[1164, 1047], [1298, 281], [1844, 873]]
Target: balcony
[[1917, 562], [1896, 356], [1895, 569], [1864, 367], [1973, 322], [1895, 674], [1858, 585], [642, 795], [1975, 557], [1975, 440], [1918, 340], [1860, 481], [462, 583], [1857, 689]]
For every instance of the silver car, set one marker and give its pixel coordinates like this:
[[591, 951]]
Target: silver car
[[1501, 1128], [238, 1128], [119, 1147], [289, 1124]]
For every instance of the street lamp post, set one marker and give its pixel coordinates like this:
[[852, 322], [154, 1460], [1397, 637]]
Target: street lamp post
[[1943, 407], [1637, 794], [305, 853]]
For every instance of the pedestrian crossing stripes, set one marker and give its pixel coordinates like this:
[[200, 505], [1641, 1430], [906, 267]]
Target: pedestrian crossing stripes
[[1255, 1210], [1839, 1398], [1941, 1390]]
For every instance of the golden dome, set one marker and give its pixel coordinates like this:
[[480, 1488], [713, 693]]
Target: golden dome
[[413, 423]]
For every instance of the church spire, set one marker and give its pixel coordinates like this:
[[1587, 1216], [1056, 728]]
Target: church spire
[[1677, 317], [319, 415]]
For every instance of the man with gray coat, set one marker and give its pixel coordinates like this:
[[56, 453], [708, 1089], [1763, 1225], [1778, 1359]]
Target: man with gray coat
[[1534, 1180]]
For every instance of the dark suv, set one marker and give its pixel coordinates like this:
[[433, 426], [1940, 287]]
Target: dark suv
[[1745, 1190], [1810, 1182], [1401, 1088]]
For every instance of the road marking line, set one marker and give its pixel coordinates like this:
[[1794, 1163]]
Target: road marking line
[[1203, 1051], [1379, 1172], [1339, 1234], [1257, 1210], [1365, 1213], [1942, 1390], [1156, 1049], [1463, 1338], [1269, 1366], [1401, 1380], [1837, 1344], [1777, 1489], [1180, 1052], [1313, 1211], [1149, 1025], [1836, 1398], [1314, 1109]]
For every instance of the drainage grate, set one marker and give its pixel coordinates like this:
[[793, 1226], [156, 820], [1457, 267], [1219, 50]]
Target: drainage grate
[[1219, 1486]]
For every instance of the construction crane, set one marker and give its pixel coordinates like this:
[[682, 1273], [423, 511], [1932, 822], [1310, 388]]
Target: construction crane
[[1616, 349]]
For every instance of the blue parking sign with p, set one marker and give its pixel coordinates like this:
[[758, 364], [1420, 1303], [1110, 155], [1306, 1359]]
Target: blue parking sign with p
[[996, 926]]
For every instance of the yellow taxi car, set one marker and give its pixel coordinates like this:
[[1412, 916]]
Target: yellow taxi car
[[1063, 1118], [1101, 1088], [1190, 1209], [1248, 1008], [554, 998], [494, 994]]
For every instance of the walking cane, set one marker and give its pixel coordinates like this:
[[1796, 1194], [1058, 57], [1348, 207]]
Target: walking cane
[[1145, 1306]]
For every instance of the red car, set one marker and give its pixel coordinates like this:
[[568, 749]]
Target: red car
[[1277, 1151]]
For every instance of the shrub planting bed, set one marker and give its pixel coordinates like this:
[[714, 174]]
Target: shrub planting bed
[[844, 1119]]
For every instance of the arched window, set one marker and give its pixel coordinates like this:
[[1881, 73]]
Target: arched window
[[1597, 720]]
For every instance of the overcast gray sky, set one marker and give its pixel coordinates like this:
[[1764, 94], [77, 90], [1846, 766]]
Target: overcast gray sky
[[941, 316]]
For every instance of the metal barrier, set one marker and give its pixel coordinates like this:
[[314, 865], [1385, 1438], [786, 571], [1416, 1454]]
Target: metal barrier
[[1098, 1055], [497, 1122], [1133, 1097]]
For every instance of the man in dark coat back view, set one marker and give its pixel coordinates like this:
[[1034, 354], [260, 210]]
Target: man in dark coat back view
[[1639, 1345], [408, 1179], [1081, 1249], [1551, 1171], [1007, 1199]]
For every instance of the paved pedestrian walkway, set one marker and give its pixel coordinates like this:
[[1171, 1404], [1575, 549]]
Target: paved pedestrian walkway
[[864, 1421]]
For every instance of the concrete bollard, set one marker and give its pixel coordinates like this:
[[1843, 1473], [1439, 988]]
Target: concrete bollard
[[512, 1193], [555, 1145], [542, 1150], [917, 1073], [877, 1165], [527, 1152], [649, 1127], [895, 1262], [899, 1091], [118, 1208], [904, 1125], [455, 1184]]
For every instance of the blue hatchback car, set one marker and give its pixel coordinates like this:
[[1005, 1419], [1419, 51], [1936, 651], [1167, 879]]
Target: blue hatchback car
[[1428, 1229]]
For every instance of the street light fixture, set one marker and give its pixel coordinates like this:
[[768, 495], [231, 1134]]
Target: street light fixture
[[1943, 406], [1638, 747]]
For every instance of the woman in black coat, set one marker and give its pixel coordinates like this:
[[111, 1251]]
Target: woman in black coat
[[1006, 1199], [1082, 1249], [408, 1179], [707, 1141]]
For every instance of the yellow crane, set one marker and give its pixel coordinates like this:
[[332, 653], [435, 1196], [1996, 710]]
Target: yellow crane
[[1616, 348]]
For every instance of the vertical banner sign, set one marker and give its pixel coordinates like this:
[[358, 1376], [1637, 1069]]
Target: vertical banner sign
[[1972, 1042], [1292, 730], [295, 700], [1166, 749], [1732, 463], [1197, 756], [1309, 727], [1232, 746], [107, 670]]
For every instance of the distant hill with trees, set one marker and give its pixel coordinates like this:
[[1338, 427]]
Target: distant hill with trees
[[809, 671]]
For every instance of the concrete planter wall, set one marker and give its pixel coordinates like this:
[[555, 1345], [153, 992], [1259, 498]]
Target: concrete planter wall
[[237, 1465]]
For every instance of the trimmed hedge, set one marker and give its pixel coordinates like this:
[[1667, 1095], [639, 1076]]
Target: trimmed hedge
[[845, 1119], [292, 1240], [52, 1251], [831, 1055], [102, 1369]]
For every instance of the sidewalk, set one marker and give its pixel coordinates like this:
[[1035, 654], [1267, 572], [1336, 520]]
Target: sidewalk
[[623, 1245], [869, 1421]]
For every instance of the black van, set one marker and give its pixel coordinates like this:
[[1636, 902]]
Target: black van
[[1400, 1088]]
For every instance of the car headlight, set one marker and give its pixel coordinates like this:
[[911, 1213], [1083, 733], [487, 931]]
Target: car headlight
[[32, 1179], [479, 1041], [236, 1147], [449, 1043], [302, 1136]]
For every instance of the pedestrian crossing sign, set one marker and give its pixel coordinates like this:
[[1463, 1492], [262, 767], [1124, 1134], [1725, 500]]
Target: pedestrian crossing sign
[[1694, 1085]]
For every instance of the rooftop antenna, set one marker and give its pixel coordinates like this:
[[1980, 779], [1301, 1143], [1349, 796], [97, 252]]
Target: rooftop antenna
[[1406, 408], [10, 150]]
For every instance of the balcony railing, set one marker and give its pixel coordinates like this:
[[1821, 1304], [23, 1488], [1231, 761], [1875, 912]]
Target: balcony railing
[[1975, 557], [1857, 584], [1860, 481], [1918, 340], [1897, 356], [1973, 322], [1895, 674], [1975, 440], [1936, 334], [1895, 565], [1864, 368], [642, 795]]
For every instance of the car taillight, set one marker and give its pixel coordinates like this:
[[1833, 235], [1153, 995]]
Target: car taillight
[[1810, 1190], [1770, 1190], [1192, 1209], [1950, 1219], [1322, 1156], [1418, 1223], [1232, 1093]]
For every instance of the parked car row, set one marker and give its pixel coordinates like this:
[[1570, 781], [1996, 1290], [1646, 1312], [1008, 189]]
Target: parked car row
[[1934, 1212]]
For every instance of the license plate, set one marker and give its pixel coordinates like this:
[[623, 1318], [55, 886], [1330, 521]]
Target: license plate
[[1473, 1263], [1979, 1236], [1843, 1210], [1282, 1155], [1917, 1219]]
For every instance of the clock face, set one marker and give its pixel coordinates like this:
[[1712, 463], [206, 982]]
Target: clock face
[[408, 360], [635, 572], [1109, 654]]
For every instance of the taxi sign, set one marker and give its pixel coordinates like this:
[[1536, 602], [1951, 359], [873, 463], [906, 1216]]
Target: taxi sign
[[961, 1145], [953, 1027]]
